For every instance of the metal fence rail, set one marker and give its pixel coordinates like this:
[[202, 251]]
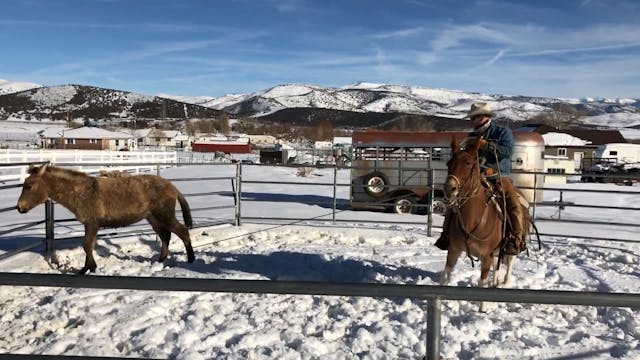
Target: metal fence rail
[[432, 293]]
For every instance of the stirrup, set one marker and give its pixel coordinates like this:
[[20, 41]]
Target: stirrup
[[511, 246]]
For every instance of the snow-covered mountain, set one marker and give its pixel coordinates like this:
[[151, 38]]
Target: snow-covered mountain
[[384, 98], [8, 87], [356, 105], [69, 102]]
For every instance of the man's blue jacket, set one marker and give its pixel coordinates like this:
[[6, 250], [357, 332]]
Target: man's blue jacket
[[500, 142]]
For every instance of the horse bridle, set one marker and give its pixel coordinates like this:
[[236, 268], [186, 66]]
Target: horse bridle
[[460, 184], [461, 200]]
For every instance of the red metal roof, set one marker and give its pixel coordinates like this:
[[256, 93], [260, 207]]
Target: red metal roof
[[373, 138], [230, 148]]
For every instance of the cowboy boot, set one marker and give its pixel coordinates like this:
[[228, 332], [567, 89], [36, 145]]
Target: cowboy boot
[[515, 240], [443, 241]]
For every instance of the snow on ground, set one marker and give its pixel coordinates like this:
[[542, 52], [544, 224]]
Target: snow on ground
[[60, 321]]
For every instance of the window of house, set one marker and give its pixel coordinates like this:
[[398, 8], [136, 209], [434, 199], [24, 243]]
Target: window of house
[[613, 153], [69, 141], [555, 171], [93, 141], [562, 151], [117, 142]]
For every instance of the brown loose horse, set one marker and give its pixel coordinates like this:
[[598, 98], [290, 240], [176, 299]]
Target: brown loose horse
[[110, 202], [477, 223]]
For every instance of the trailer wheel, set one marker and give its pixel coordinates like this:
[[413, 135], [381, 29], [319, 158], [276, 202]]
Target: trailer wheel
[[405, 205], [375, 184], [439, 207]]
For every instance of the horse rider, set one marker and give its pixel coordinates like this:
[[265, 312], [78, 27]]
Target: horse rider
[[496, 147]]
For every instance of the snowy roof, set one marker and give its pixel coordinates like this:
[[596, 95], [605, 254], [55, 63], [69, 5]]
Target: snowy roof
[[342, 140], [86, 132], [52, 132], [223, 141], [141, 133], [561, 139], [171, 133]]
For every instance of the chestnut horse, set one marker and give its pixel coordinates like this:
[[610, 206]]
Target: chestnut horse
[[476, 226], [110, 202]]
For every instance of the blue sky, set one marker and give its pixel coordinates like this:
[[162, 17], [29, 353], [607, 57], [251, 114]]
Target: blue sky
[[558, 48]]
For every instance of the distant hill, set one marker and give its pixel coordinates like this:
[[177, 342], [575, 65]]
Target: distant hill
[[382, 98], [353, 106], [87, 102]]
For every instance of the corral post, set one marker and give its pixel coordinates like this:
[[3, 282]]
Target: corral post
[[239, 193], [335, 191], [560, 207], [433, 328], [49, 251], [535, 194], [430, 203]]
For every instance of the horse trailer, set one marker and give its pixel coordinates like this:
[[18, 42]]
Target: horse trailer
[[392, 169]]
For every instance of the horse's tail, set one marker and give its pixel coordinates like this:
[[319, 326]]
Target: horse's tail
[[186, 211]]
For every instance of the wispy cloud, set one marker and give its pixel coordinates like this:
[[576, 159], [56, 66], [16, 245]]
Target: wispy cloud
[[288, 5], [584, 3], [498, 56], [578, 50], [455, 36], [146, 27], [66, 24], [398, 33], [529, 40], [283, 6]]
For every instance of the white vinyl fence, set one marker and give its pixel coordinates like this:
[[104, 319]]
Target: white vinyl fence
[[86, 160]]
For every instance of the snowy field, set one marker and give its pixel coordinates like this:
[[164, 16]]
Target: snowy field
[[61, 321]]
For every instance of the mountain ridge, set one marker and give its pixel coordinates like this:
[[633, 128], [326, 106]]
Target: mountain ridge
[[300, 102]]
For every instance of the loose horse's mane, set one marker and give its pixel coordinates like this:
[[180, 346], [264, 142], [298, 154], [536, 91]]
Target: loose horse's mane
[[59, 172]]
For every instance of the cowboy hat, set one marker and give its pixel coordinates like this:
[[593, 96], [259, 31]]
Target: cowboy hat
[[480, 109]]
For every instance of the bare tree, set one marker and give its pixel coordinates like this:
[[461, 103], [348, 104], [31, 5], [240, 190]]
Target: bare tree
[[223, 123], [560, 116]]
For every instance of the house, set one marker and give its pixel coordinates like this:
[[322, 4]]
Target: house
[[578, 144], [182, 141], [87, 138], [157, 137], [557, 167]]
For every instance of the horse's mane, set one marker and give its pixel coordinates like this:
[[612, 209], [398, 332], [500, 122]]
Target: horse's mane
[[59, 172]]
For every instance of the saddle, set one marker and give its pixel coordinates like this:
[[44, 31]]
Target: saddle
[[497, 199]]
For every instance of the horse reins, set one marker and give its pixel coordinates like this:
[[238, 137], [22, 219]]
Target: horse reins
[[473, 193]]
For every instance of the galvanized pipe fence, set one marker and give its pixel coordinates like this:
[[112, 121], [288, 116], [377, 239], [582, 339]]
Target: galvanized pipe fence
[[431, 293]]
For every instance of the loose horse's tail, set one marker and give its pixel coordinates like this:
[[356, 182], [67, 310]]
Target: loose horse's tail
[[186, 211]]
